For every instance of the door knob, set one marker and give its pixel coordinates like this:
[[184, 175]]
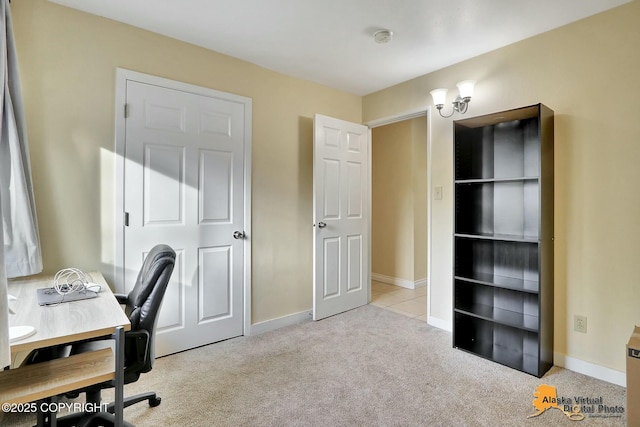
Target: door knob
[[238, 235], [321, 224]]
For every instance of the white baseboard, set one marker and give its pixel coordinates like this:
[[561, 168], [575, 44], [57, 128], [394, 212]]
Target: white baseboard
[[590, 369], [439, 323], [571, 363], [404, 283], [280, 322], [420, 283]]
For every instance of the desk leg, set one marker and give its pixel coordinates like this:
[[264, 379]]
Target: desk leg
[[47, 418], [119, 377]]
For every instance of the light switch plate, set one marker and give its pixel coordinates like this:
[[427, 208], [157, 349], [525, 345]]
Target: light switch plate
[[437, 192]]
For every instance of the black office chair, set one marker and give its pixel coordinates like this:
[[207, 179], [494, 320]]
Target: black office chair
[[141, 305]]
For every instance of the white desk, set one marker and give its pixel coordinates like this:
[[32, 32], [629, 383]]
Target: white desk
[[66, 322], [61, 324]]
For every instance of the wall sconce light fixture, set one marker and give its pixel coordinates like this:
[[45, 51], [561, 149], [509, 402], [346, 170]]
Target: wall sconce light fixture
[[460, 104]]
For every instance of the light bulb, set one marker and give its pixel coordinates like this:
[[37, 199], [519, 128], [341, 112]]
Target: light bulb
[[439, 96], [466, 88]]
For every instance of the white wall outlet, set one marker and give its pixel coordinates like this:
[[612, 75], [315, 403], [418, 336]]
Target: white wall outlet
[[437, 192], [580, 323]]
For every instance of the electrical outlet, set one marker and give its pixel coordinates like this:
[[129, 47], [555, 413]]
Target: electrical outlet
[[580, 323]]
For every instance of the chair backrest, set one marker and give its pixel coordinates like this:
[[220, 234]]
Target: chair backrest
[[144, 300]]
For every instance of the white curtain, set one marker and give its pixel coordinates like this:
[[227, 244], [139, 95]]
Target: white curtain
[[5, 353], [20, 250], [22, 256]]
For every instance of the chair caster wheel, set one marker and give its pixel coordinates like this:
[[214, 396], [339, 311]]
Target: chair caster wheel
[[155, 401]]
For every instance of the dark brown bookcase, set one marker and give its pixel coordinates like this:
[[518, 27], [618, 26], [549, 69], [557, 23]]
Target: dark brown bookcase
[[503, 237]]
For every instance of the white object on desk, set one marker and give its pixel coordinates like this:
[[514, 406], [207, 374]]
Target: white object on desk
[[17, 333], [12, 298]]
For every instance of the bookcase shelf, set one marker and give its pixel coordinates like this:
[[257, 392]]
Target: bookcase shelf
[[512, 347], [503, 282], [490, 180], [503, 237]]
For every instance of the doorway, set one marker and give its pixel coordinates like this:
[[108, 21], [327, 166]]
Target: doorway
[[400, 220]]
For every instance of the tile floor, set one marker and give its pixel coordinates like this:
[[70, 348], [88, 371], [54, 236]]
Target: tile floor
[[410, 302]]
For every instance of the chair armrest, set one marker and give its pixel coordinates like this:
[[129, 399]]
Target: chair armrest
[[47, 353], [136, 350], [122, 298]]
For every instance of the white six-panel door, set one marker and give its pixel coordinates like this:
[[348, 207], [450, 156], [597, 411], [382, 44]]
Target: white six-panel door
[[183, 186], [341, 216]]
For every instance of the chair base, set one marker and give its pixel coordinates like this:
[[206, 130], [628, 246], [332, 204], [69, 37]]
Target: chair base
[[92, 420], [106, 418]]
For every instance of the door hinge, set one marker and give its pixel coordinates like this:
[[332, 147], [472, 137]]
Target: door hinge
[[126, 111], [126, 219]]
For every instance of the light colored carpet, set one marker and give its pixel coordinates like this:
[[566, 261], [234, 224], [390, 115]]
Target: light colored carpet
[[366, 367]]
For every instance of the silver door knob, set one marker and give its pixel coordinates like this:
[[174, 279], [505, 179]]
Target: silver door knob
[[321, 224], [238, 235]]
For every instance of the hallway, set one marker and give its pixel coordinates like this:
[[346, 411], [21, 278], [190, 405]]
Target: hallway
[[409, 302]]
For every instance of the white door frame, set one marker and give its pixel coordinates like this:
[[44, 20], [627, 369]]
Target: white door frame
[[421, 112], [122, 76]]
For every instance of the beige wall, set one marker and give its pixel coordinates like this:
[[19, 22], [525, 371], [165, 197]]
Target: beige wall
[[398, 191], [68, 61], [392, 201], [587, 72]]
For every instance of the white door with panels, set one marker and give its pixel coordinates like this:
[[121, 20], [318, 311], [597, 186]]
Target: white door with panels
[[184, 185], [341, 206]]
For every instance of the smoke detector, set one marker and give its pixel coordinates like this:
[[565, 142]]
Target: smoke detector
[[382, 36]]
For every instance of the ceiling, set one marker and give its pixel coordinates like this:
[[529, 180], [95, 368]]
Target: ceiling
[[331, 41]]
